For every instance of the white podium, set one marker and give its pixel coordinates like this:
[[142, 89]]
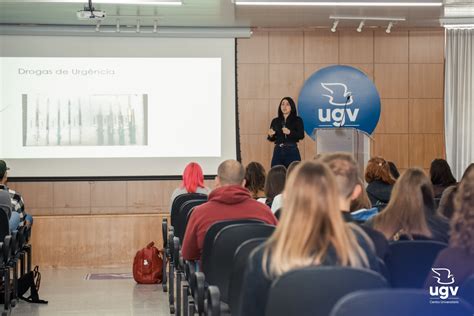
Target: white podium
[[344, 139]]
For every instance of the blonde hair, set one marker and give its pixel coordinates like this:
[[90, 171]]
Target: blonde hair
[[462, 225], [405, 213], [311, 224]]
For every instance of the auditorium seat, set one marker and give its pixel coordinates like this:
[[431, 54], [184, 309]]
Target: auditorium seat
[[409, 262], [313, 291], [396, 302], [467, 290]]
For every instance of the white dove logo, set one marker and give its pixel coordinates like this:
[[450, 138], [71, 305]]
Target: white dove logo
[[328, 86], [443, 273]]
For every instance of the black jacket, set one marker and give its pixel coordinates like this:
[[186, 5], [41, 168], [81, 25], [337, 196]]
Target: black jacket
[[379, 192], [293, 123]]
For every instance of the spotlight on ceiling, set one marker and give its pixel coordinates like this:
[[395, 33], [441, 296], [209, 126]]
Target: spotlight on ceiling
[[389, 27], [334, 26], [361, 25]]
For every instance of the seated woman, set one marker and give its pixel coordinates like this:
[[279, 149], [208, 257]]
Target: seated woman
[[255, 179], [410, 213], [311, 232], [274, 185], [361, 208], [441, 176], [380, 182], [193, 182], [459, 256]]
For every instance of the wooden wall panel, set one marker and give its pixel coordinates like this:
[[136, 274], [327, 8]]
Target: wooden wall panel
[[256, 148], [253, 50], [38, 196], [93, 241], [310, 69], [427, 46], [253, 116], [426, 116], [252, 81], [392, 80], [356, 48], [424, 148], [320, 47], [285, 80], [109, 197], [145, 196], [72, 197], [368, 69], [392, 147], [286, 47], [393, 117], [391, 48], [426, 80]]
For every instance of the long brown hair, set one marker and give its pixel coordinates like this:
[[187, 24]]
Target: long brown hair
[[462, 225], [311, 224], [405, 213], [378, 169]]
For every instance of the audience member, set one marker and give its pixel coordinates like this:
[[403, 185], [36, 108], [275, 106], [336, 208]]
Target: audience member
[[393, 170], [404, 217], [193, 182], [274, 185], [380, 182], [311, 232], [459, 256], [6, 206], [16, 199], [278, 201], [441, 176], [446, 204], [467, 171], [347, 178], [229, 200], [255, 179], [362, 201]]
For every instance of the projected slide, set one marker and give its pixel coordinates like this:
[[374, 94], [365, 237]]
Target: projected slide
[[95, 120], [110, 107]]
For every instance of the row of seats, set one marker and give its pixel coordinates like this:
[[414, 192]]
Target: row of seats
[[215, 289], [15, 253]]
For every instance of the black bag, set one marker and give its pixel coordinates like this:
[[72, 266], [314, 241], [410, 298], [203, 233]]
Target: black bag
[[30, 281]]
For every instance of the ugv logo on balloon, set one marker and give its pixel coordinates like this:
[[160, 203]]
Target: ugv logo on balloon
[[339, 96], [445, 291]]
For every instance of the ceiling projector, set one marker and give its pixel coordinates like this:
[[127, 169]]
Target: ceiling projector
[[87, 15]]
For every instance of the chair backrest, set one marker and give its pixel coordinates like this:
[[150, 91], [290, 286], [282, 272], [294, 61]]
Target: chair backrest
[[409, 262], [239, 264], [218, 268], [314, 291], [182, 216], [467, 290], [180, 200], [212, 232], [396, 302], [4, 224]]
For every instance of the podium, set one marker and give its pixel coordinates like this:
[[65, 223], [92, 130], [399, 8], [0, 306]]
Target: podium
[[344, 139]]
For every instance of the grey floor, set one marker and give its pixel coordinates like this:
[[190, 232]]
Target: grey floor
[[69, 293]]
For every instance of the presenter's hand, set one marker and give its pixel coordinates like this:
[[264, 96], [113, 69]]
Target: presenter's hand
[[271, 132], [286, 131]]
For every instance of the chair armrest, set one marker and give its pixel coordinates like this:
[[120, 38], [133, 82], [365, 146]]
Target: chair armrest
[[164, 231], [176, 251], [7, 243], [199, 280], [213, 301]]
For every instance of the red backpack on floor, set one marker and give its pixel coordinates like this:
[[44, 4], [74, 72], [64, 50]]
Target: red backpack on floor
[[148, 265]]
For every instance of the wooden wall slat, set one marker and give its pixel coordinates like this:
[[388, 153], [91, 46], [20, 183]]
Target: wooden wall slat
[[253, 116], [286, 47], [392, 147], [285, 80], [253, 50], [391, 48], [426, 116], [427, 46], [393, 117], [426, 81], [252, 81], [356, 48], [391, 80], [321, 47]]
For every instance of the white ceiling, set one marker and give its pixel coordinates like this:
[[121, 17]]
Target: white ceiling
[[215, 13]]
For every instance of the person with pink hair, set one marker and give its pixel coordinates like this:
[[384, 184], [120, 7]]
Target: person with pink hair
[[193, 181]]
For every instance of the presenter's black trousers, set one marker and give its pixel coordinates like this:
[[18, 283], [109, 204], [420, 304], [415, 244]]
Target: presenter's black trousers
[[286, 154]]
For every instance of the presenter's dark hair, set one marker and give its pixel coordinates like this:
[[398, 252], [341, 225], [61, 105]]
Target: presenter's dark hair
[[293, 112], [441, 174]]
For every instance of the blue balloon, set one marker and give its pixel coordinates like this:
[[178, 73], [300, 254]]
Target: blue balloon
[[339, 96]]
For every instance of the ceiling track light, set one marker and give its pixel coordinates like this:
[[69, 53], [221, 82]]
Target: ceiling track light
[[334, 26], [361, 25], [389, 27], [155, 26], [138, 26], [117, 26], [97, 26]]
